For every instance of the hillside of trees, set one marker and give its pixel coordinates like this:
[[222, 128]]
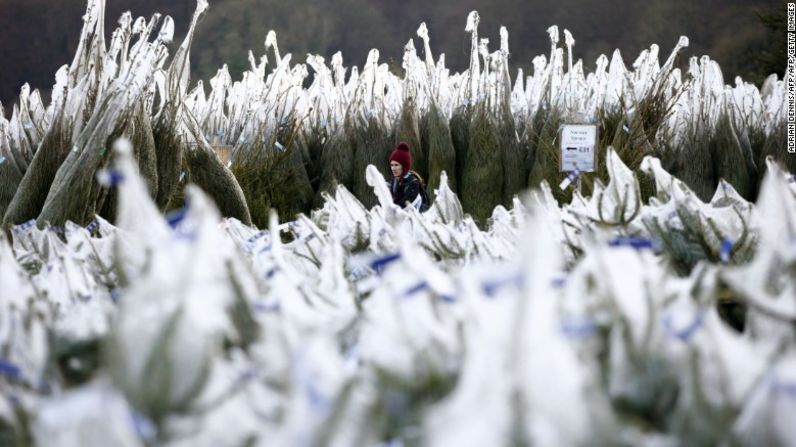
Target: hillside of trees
[[38, 36]]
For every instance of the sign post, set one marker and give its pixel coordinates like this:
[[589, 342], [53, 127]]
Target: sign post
[[578, 151]]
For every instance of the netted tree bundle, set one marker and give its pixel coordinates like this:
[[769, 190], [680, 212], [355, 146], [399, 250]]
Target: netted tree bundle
[[215, 179], [293, 193], [336, 166], [169, 150], [143, 140], [436, 137], [372, 146], [534, 126], [483, 168], [460, 135], [776, 147], [668, 150], [757, 138], [651, 113], [524, 126], [252, 179], [169, 147], [139, 132], [37, 119], [177, 201], [631, 142], [514, 173], [654, 108], [75, 193], [729, 162], [408, 129], [271, 173], [10, 178], [27, 132], [694, 165], [311, 142], [34, 183], [22, 141], [749, 161], [546, 164], [635, 134]]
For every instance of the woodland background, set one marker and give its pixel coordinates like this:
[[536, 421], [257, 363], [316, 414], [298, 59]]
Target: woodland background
[[747, 38]]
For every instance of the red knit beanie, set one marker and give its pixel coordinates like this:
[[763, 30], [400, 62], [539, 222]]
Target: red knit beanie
[[402, 155]]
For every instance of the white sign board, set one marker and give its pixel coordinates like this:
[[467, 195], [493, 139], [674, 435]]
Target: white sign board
[[578, 147]]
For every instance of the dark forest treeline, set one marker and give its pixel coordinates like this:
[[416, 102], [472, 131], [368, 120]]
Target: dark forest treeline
[[37, 36]]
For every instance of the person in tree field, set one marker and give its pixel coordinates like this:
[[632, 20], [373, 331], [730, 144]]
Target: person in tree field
[[406, 185]]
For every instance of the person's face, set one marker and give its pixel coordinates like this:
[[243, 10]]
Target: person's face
[[396, 168]]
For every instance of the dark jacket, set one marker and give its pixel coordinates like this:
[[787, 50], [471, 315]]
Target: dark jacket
[[404, 189]]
